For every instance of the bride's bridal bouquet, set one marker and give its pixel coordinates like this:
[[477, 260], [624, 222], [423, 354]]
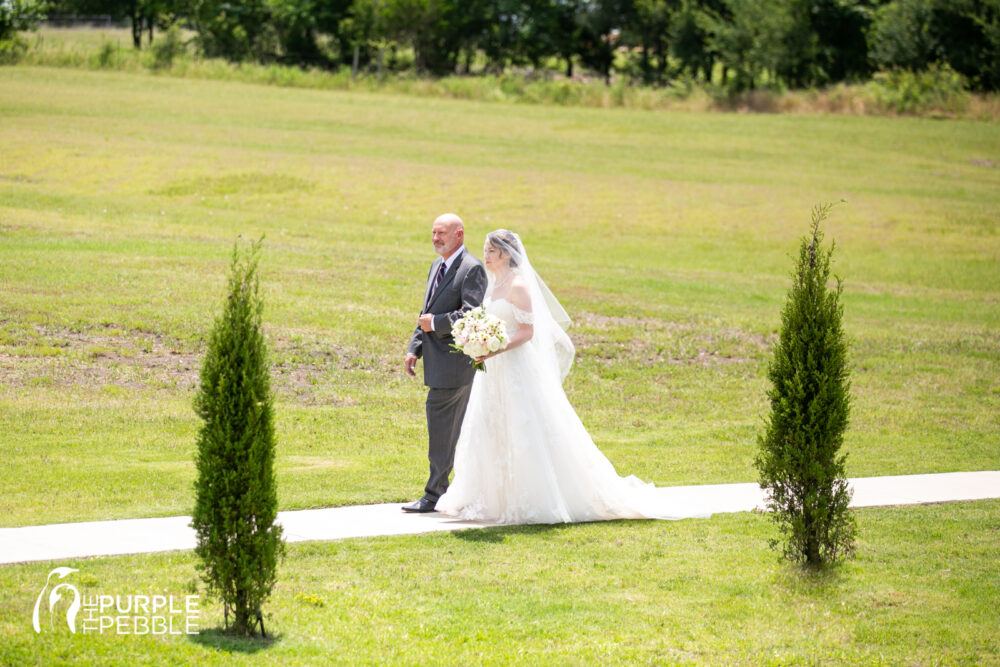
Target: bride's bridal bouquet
[[478, 333]]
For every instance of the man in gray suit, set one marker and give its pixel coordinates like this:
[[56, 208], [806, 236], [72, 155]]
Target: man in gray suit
[[455, 285]]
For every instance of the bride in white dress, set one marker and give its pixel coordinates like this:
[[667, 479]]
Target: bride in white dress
[[523, 455]]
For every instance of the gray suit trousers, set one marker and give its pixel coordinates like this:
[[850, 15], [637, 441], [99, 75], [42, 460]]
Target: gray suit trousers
[[445, 412]]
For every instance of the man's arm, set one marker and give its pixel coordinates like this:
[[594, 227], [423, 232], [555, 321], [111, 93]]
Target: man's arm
[[416, 346], [416, 340]]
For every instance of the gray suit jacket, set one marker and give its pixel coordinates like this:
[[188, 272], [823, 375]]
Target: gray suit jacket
[[461, 290]]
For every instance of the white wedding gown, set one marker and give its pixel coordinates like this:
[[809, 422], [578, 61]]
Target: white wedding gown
[[524, 456]]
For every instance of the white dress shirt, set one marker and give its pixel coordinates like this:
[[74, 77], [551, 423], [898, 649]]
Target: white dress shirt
[[447, 267]]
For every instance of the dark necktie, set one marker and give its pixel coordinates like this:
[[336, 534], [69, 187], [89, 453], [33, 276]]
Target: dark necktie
[[437, 279]]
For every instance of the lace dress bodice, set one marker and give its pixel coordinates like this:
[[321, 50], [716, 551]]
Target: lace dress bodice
[[511, 315]]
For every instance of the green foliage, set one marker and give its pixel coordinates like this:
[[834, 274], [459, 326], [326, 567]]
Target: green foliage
[[15, 16], [232, 31], [902, 36], [651, 30], [107, 55], [967, 33], [298, 26], [689, 40], [750, 40], [166, 49], [11, 50], [799, 461], [794, 43], [738, 45], [939, 88], [236, 499], [964, 34], [841, 28], [597, 22], [434, 28]]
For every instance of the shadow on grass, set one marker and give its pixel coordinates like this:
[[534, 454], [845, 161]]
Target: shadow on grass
[[220, 640], [499, 533], [810, 582]]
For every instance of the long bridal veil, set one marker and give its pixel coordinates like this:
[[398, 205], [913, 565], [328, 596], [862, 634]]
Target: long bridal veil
[[550, 318]]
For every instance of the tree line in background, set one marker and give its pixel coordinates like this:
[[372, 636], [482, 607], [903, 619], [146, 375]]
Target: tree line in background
[[740, 44]]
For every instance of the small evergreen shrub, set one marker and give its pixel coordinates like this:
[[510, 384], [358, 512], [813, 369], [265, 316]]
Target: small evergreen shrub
[[799, 459], [236, 500]]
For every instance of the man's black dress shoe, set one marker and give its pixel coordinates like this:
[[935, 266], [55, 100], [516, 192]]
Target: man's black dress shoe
[[422, 505]]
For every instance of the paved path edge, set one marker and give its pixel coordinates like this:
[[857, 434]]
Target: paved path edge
[[131, 536]]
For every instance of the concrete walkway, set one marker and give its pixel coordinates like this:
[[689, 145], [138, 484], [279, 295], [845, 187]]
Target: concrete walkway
[[128, 536]]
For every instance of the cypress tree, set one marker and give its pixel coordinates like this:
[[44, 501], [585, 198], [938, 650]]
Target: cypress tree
[[236, 500], [799, 460]]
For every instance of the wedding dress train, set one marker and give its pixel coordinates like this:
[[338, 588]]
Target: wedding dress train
[[524, 456]]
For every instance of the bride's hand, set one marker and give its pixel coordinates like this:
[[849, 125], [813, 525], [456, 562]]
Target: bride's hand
[[483, 358]]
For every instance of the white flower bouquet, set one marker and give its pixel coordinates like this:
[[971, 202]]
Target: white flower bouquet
[[478, 333]]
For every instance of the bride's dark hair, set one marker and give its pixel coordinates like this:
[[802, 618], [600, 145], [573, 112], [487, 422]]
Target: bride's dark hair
[[506, 242]]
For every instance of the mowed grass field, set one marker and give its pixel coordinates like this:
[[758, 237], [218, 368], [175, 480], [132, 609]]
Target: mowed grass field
[[668, 237]]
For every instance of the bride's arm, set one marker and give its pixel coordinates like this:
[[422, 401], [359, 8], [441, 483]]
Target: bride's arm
[[521, 300]]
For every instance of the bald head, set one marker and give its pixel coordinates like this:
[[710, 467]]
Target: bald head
[[449, 219], [447, 234]]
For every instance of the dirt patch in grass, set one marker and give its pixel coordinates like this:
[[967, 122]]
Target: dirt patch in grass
[[649, 342], [306, 369], [106, 356], [302, 370]]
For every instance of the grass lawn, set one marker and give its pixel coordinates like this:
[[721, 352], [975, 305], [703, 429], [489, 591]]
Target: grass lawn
[[922, 590], [667, 236], [669, 239]]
